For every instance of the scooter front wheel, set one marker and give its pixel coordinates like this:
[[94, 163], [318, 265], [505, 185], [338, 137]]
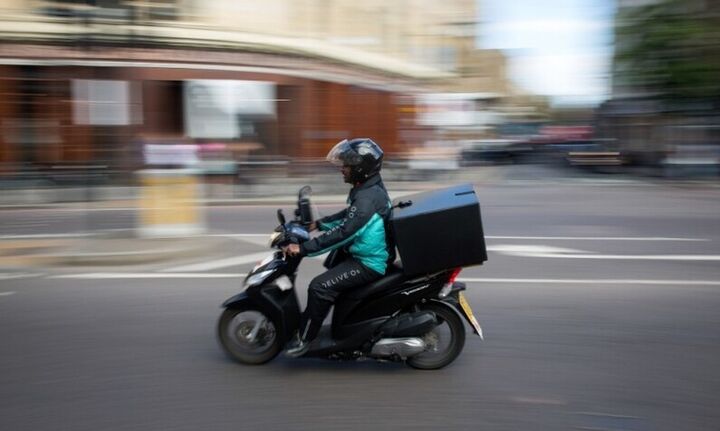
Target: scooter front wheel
[[248, 336]]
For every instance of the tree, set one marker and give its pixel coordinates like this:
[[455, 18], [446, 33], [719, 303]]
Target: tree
[[670, 49]]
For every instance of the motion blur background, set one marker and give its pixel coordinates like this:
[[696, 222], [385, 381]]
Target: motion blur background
[[145, 146], [93, 91]]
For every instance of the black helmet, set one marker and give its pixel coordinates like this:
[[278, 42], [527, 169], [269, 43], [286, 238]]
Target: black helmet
[[362, 154]]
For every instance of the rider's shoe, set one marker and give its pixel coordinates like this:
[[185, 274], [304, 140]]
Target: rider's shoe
[[297, 348]]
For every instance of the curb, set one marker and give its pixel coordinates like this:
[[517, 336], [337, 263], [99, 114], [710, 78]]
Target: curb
[[126, 256]]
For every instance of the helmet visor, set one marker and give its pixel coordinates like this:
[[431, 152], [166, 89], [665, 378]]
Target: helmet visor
[[341, 154]]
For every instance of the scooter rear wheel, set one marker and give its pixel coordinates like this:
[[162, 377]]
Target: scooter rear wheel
[[248, 336], [445, 341]]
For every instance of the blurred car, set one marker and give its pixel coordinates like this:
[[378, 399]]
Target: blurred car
[[599, 156], [493, 151], [593, 154]]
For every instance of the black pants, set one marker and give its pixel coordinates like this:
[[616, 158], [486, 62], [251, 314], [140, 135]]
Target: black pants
[[325, 288]]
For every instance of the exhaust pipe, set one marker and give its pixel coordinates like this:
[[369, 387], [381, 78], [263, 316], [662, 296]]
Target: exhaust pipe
[[402, 347]]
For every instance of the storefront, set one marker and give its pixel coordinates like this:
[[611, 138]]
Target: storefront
[[99, 112]]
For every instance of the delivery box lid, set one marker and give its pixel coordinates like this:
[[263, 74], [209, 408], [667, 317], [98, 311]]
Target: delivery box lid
[[439, 229], [431, 201]]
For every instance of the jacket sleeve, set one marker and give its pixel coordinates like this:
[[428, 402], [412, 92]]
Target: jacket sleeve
[[357, 215], [328, 222]]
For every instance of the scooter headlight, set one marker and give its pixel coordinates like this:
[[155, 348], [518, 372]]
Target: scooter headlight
[[273, 237], [258, 278]]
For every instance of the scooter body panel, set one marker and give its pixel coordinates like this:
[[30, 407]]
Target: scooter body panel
[[350, 313], [280, 305]]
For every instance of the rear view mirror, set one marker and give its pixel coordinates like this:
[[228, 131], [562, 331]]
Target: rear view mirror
[[305, 192], [304, 208]]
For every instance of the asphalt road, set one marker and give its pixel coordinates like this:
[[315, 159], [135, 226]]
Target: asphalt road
[[599, 304]]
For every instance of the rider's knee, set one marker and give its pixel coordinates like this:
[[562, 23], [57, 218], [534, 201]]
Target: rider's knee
[[319, 290]]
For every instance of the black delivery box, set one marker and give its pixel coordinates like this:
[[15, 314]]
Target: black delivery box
[[439, 229]]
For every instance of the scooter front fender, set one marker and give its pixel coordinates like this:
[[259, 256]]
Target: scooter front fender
[[239, 301], [281, 307]]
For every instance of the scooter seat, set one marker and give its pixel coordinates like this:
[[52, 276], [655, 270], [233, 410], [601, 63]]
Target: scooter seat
[[393, 276]]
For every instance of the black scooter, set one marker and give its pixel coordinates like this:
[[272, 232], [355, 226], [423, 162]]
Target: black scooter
[[398, 318]]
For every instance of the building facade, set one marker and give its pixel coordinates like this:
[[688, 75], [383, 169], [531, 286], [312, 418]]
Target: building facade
[[94, 82]]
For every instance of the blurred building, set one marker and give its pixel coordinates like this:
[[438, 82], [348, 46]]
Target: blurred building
[[99, 82]]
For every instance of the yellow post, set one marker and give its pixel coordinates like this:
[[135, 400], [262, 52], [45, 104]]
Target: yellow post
[[169, 203]]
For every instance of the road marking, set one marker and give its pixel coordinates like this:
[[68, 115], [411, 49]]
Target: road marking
[[242, 235], [54, 208], [121, 275], [524, 250], [267, 235], [6, 293], [539, 401], [606, 415], [678, 257], [189, 275], [224, 263], [553, 238], [529, 249], [221, 263], [591, 281], [259, 240], [596, 238], [47, 235], [11, 276]]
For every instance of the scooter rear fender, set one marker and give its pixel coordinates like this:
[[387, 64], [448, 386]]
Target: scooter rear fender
[[453, 299]]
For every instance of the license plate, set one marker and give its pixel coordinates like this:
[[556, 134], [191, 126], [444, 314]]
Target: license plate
[[465, 305]]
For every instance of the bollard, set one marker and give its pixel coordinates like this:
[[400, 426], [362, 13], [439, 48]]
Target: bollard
[[169, 203]]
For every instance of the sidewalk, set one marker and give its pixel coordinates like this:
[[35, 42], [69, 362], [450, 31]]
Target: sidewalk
[[124, 249], [106, 249]]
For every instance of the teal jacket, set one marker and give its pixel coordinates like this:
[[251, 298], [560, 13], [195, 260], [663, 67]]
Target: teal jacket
[[360, 227]]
